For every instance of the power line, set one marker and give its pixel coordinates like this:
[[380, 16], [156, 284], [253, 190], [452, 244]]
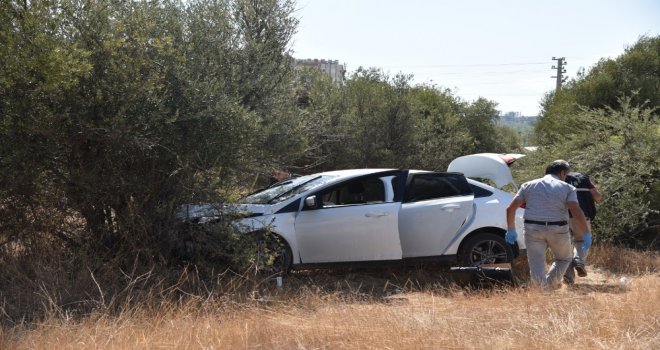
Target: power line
[[488, 72], [464, 65]]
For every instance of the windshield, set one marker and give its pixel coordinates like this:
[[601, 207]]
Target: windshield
[[287, 189]]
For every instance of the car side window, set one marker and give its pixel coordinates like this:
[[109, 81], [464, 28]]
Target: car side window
[[360, 191], [436, 185], [374, 190]]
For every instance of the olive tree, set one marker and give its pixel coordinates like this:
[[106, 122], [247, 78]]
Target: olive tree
[[112, 114]]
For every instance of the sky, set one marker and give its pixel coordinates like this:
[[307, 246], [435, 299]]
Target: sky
[[501, 50]]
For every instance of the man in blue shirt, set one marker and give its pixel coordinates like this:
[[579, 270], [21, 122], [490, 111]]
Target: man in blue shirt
[[547, 203]]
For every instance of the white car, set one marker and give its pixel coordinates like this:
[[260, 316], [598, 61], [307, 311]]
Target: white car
[[383, 215]]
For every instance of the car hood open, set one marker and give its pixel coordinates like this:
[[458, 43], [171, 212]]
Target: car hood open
[[491, 166]]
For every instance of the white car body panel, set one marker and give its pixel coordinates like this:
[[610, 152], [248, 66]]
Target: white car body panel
[[490, 212], [282, 224], [349, 233], [427, 227]]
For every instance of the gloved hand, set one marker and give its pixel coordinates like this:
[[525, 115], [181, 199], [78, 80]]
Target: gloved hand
[[511, 236], [586, 237]]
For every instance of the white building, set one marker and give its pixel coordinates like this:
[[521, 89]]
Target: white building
[[335, 70]]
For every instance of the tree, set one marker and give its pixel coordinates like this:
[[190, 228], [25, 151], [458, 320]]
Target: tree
[[439, 135], [618, 150], [380, 121], [116, 113], [605, 121], [377, 123], [480, 118], [321, 103]]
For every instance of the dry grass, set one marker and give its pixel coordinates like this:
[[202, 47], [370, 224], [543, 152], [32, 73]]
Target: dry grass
[[383, 310], [624, 261]]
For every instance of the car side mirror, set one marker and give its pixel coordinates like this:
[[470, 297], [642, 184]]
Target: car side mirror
[[310, 202]]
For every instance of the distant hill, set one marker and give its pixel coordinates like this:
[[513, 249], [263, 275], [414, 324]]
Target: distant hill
[[523, 125], [516, 120]]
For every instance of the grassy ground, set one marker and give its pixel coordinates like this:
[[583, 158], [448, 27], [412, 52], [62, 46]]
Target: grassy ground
[[617, 306]]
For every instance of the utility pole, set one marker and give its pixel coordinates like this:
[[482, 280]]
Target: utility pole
[[561, 62]]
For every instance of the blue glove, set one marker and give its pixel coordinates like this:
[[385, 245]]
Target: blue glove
[[586, 237], [511, 236]]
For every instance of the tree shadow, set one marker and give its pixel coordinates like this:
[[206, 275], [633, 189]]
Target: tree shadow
[[610, 288]]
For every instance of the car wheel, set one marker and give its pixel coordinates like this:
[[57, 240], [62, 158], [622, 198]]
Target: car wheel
[[273, 255], [485, 248]]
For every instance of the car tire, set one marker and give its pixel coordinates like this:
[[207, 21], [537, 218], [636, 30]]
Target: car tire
[[273, 255], [485, 248]]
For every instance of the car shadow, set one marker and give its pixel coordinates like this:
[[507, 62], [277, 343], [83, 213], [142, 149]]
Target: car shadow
[[388, 285], [372, 284]]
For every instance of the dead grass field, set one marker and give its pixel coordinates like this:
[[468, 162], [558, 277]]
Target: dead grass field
[[403, 309]]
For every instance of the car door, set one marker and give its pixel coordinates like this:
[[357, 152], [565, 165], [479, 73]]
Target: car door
[[435, 208], [356, 220]]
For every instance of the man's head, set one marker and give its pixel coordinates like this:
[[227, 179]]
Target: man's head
[[280, 175], [559, 168]]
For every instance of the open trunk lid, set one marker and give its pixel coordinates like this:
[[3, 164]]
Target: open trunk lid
[[491, 166]]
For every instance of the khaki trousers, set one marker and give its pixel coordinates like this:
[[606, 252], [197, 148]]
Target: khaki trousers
[[579, 253]]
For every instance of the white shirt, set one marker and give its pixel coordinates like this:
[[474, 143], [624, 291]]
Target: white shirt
[[545, 198]]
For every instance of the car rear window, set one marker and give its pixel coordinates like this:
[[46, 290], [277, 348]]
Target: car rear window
[[480, 192], [436, 185]]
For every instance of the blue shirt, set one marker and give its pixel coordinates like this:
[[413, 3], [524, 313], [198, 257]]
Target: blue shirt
[[545, 198]]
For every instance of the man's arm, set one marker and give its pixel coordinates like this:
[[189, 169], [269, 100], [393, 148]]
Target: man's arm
[[597, 196], [578, 216], [511, 213]]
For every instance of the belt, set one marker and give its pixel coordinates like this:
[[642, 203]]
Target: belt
[[547, 223]]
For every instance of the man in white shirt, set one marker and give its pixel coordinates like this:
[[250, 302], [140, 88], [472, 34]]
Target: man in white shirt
[[547, 203]]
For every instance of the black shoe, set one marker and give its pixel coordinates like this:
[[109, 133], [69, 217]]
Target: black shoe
[[579, 267], [569, 280]]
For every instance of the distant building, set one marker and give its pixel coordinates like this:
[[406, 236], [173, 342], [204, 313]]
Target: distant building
[[335, 70]]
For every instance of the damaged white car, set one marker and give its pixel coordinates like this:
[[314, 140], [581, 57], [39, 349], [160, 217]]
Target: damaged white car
[[384, 215]]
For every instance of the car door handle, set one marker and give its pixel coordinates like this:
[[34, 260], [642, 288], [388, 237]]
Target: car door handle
[[450, 207], [376, 215]]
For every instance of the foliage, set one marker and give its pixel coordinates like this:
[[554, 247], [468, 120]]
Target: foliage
[[375, 120], [440, 136], [480, 120], [605, 122], [618, 150], [320, 104], [114, 113]]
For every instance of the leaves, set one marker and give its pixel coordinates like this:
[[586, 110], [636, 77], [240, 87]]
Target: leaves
[[375, 120], [606, 124], [114, 113]]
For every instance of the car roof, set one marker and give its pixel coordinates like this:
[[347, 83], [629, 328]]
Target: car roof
[[354, 172], [348, 173]]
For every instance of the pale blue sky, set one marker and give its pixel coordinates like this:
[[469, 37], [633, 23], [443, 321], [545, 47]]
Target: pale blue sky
[[499, 49]]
